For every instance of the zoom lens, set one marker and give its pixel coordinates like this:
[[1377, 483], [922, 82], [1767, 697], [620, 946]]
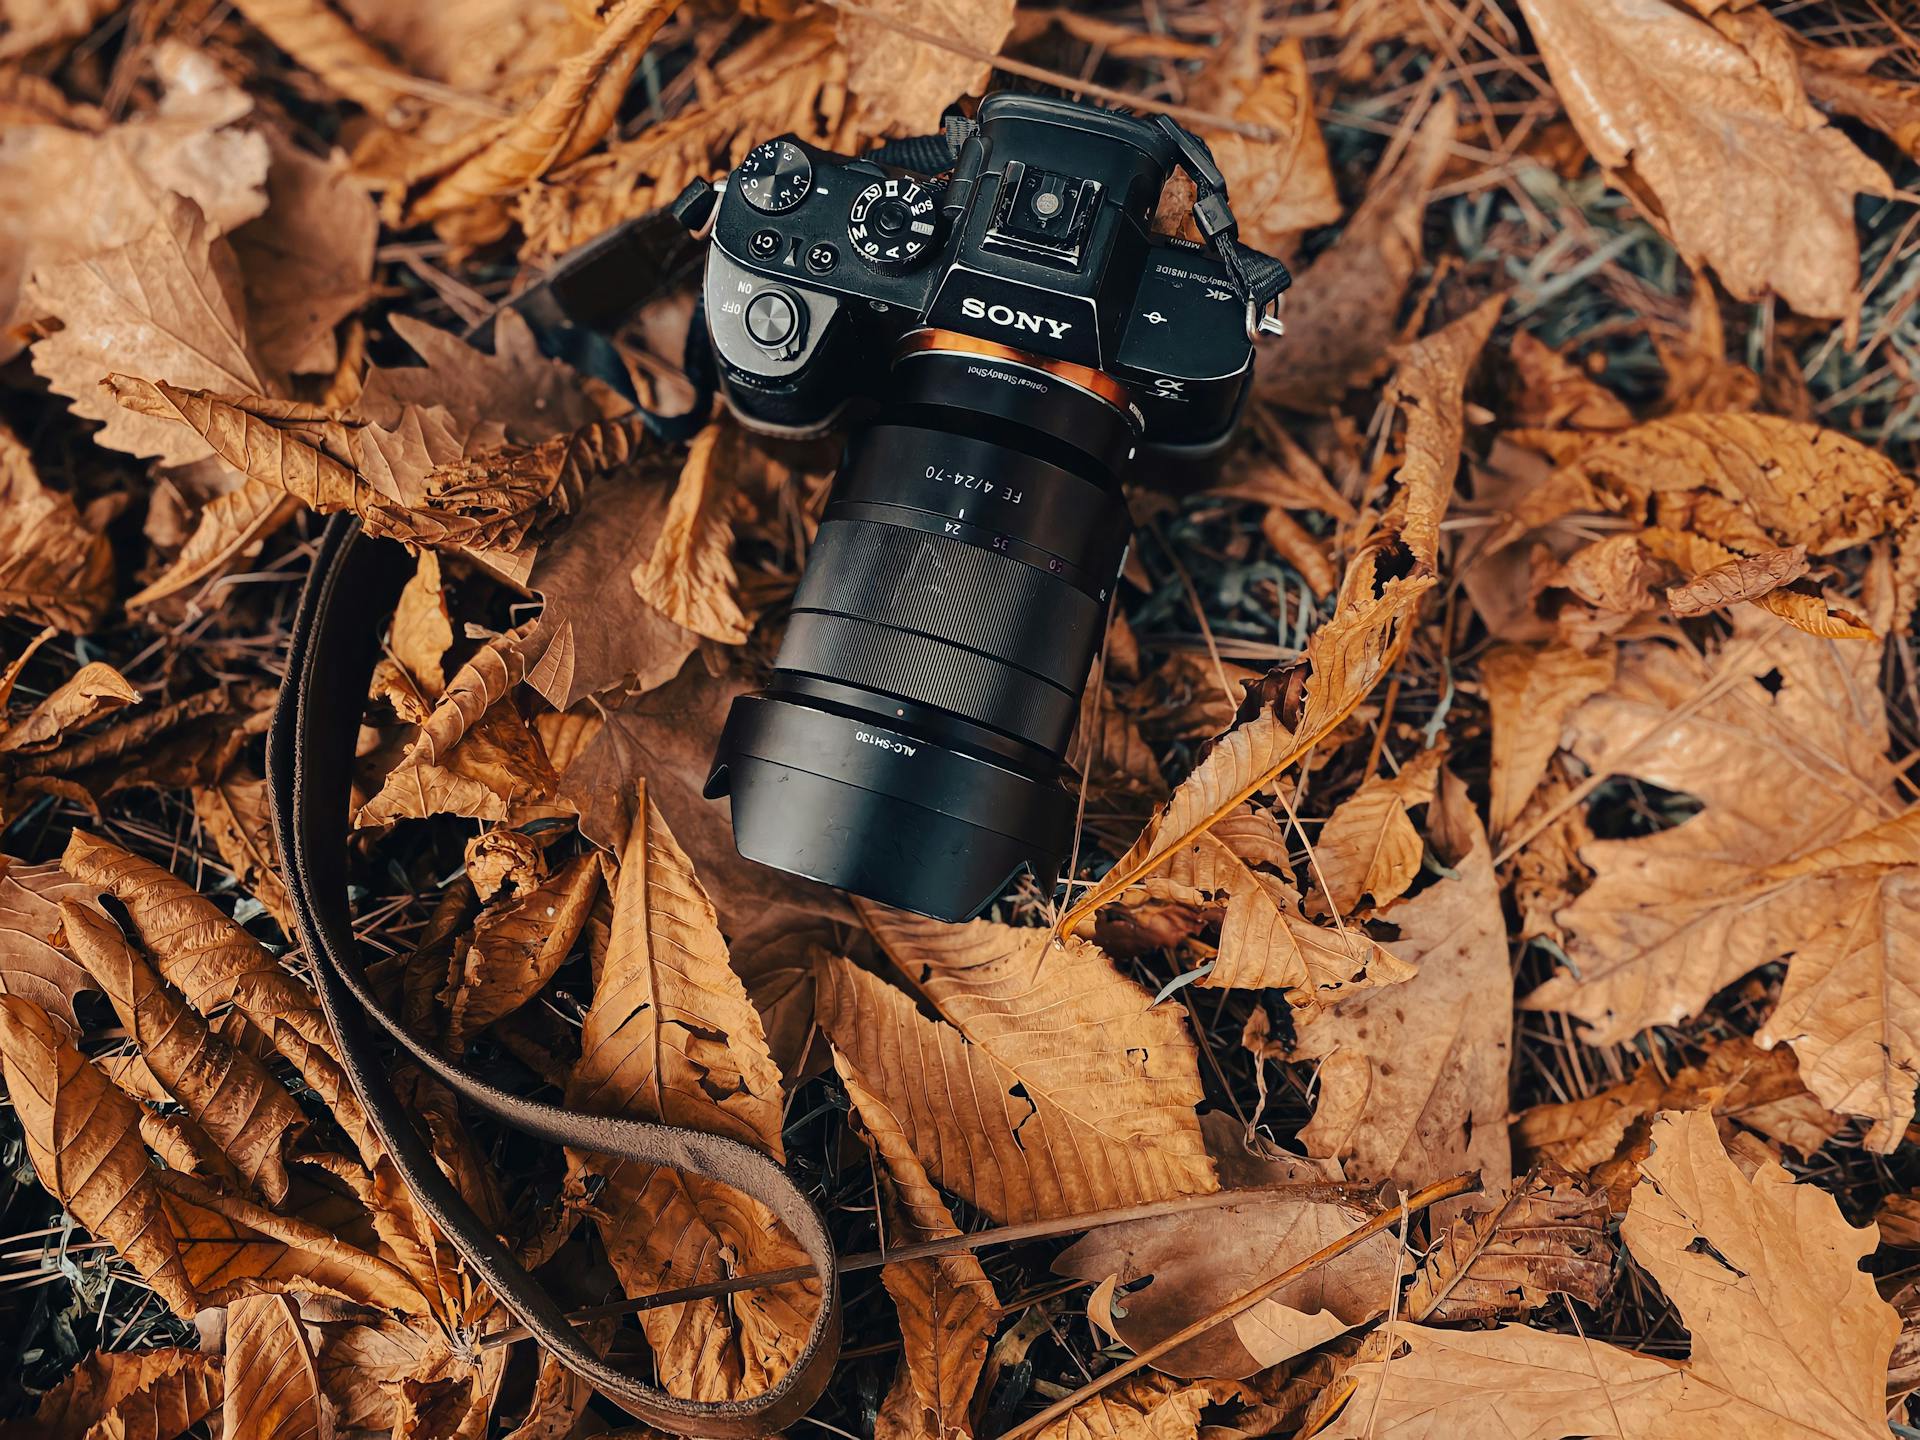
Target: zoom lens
[[909, 748]]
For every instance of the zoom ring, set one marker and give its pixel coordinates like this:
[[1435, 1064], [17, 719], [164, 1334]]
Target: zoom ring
[[909, 580], [928, 671]]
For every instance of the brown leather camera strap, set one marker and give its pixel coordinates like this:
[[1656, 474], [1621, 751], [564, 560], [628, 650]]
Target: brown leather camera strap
[[310, 752]]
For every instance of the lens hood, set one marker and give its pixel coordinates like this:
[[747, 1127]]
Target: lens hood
[[882, 812]]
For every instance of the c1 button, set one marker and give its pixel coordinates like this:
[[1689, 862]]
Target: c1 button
[[772, 319], [822, 258], [764, 244]]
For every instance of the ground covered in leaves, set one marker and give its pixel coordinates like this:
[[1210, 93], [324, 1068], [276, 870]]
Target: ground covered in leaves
[[1487, 1000]]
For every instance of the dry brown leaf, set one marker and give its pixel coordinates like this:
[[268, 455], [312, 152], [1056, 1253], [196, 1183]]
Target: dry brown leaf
[[1343, 314], [1413, 1078], [1368, 847], [227, 1092], [235, 815], [95, 689], [1108, 748], [788, 77], [72, 185], [1531, 690], [1544, 1238], [1890, 106], [35, 959], [568, 120], [1280, 186], [213, 962], [689, 576], [1801, 850], [83, 1137], [1788, 1336], [1812, 612], [1076, 1095], [169, 302], [1741, 1084], [1750, 483], [307, 262], [1370, 625], [906, 83], [1745, 577], [272, 1384], [1195, 1265], [322, 40], [672, 1037], [1144, 1406], [946, 1305], [1554, 392], [515, 949], [230, 526], [125, 1395], [592, 635], [530, 396], [54, 568], [426, 482], [422, 628], [1744, 173]]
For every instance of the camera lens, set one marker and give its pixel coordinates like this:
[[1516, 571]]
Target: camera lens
[[909, 748]]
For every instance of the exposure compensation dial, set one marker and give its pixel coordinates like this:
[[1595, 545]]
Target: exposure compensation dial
[[892, 224], [776, 176]]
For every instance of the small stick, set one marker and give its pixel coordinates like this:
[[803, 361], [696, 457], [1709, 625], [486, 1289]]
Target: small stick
[[1183, 113], [1385, 1220], [1306, 1191]]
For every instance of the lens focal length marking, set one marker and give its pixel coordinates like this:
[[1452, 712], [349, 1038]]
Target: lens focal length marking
[[980, 536]]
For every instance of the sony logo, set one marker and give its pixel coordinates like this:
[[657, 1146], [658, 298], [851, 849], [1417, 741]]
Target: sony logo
[[1013, 319]]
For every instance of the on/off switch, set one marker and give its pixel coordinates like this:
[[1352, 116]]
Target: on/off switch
[[773, 320]]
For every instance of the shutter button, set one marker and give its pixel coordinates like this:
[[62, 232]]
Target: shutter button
[[772, 319]]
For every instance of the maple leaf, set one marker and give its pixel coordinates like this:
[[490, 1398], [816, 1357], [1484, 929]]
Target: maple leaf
[[1789, 1338], [1803, 849], [1744, 173]]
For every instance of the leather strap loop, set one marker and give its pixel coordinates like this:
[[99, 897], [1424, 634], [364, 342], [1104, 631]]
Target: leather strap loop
[[310, 747]]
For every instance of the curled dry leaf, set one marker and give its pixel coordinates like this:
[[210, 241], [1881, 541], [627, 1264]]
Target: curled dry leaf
[[1553, 392], [54, 568], [1531, 690], [1192, 1269], [906, 83], [671, 1036], [515, 949], [1738, 1082], [321, 39], [1546, 1237], [689, 576], [234, 813], [227, 1092], [272, 1384], [1368, 847], [36, 960], [1343, 314], [1890, 106], [1803, 848], [1711, 121], [213, 963], [947, 1308], [566, 122], [1062, 1091], [125, 1393], [1740, 1257], [95, 689], [1413, 1078], [1143, 1406], [1744, 577]]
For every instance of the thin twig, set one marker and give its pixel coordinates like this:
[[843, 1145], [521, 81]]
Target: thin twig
[[1431, 1195], [1301, 1191]]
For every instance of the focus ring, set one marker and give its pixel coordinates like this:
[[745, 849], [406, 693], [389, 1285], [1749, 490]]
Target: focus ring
[[909, 580], [930, 672]]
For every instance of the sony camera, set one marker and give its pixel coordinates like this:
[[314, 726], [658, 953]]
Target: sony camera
[[1013, 344]]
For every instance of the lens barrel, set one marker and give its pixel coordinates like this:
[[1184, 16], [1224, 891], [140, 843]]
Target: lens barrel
[[909, 747]]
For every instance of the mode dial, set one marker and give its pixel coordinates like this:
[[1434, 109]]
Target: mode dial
[[892, 224], [776, 176]]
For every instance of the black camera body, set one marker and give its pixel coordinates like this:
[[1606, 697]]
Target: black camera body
[[1016, 346]]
